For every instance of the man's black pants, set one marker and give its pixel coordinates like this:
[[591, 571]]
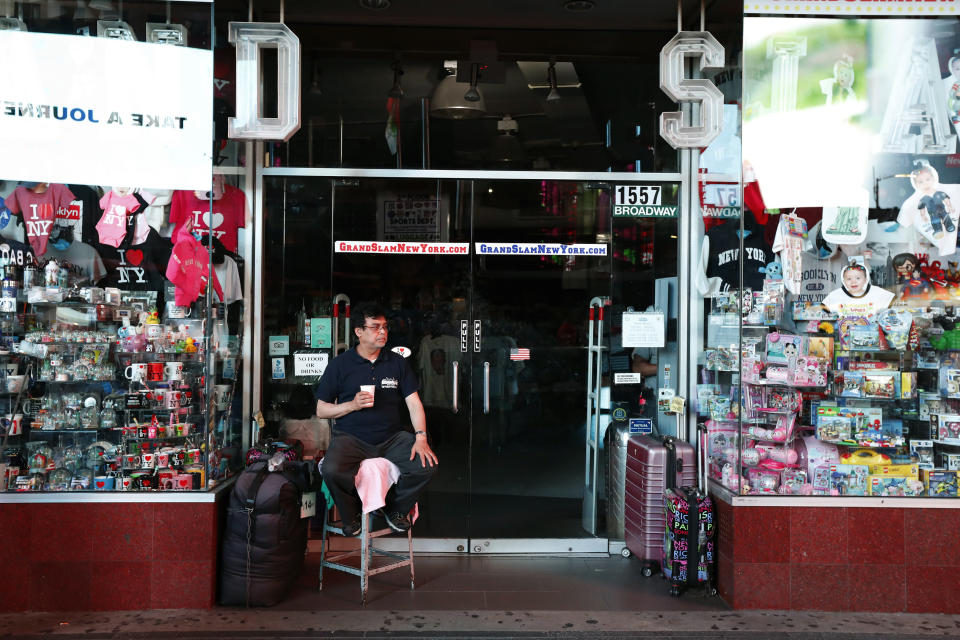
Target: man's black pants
[[342, 461]]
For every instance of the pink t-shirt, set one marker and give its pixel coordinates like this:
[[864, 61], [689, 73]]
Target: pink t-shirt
[[189, 268], [113, 224], [39, 211], [229, 214]]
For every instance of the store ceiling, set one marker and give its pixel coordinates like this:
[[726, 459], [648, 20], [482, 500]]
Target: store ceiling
[[634, 15]]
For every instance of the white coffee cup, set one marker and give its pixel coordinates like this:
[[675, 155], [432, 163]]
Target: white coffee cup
[[368, 388], [153, 331], [15, 383], [178, 312], [173, 371], [221, 395], [136, 371]]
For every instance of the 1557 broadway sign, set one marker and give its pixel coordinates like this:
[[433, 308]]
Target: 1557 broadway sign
[[644, 201]]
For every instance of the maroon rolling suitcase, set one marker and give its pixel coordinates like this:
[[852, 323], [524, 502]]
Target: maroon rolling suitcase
[[654, 463]]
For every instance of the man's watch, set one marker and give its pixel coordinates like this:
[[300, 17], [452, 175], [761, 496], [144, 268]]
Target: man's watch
[[420, 432]]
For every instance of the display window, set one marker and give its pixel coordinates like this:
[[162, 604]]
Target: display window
[[832, 365], [121, 307]]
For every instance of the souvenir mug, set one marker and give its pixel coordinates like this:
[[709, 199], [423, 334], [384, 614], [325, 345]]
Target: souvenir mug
[[8, 305], [136, 371], [171, 400], [221, 395], [183, 482], [104, 313], [178, 312], [148, 460], [123, 483], [173, 371], [154, 370], [15, 383], [153, 331], [103, 483]]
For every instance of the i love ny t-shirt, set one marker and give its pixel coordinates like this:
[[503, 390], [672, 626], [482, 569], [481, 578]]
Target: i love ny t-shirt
[[227, 216], [38, 211]]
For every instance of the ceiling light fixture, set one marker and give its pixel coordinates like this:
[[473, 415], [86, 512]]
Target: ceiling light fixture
[[554, 94], [579, 5], [396, 91], [447, 100], [473, 93], [375, 5]]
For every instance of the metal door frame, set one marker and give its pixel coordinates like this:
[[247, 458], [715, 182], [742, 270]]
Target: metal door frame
[[688, 249]]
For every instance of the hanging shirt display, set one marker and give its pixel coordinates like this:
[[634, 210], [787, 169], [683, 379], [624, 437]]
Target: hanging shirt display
[[723, 259], [228, 215], [17, 253], [229, 277], [39, 210], [138, 267], [81, 261], [116, 205]]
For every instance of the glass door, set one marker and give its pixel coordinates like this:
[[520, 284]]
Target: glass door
[[404, 243], [489, 285]]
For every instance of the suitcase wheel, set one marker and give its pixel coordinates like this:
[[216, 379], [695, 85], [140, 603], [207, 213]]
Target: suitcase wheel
[[625, 552], [647, 571], [674, 591]]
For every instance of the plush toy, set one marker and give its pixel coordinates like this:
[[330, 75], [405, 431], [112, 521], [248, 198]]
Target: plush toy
[[774, 271], [949, 340]]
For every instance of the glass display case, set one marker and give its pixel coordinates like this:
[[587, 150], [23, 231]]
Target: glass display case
[[831, 329]]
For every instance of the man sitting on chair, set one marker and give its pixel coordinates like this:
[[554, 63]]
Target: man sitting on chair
[[368, 423]]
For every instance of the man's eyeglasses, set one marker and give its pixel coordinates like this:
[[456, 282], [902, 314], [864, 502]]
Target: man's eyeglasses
[[377, 328]]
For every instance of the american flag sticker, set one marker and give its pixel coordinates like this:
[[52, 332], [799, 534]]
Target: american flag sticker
[[519, 354]]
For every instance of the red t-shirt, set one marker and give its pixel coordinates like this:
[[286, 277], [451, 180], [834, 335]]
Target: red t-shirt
[[229, 214], [39, 211]]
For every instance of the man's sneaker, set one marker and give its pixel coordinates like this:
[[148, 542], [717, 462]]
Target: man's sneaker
[[352, 529], [399, 522]]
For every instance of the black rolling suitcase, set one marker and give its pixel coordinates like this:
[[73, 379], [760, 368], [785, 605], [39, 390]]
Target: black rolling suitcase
[[265, 538], [689, 553]]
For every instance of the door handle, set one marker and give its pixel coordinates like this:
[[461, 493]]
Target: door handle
[[486, 387], [456, 386]]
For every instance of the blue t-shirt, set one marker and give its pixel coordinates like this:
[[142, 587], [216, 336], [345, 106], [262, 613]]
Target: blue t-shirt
[[394, 381]]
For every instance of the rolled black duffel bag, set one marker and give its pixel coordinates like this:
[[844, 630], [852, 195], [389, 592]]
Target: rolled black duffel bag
[[265, 538]]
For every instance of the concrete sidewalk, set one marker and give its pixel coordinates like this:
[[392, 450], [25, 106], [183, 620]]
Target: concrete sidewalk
[[228, 622]]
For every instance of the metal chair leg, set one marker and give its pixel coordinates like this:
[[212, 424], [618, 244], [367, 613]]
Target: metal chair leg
[[365, 543], [410, 543], [323, 549]]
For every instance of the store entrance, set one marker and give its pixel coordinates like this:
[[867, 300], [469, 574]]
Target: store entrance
[[488, 284]]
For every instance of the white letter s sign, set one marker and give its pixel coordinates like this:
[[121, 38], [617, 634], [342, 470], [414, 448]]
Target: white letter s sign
[[681, 89]]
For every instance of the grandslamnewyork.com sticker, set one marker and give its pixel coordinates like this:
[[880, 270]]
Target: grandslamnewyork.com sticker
[[541, 249]]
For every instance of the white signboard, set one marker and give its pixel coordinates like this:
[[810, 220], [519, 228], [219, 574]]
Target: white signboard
[[539, 249], [644, 329], [279, 345], [104, 111], [310, 364], [627, 378], [423, 248]]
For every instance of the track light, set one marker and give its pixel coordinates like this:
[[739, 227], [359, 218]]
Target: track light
[[473, 94], [554, 94], [396, 91]]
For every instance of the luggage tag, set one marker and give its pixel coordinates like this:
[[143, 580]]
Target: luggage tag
[[308, 504]]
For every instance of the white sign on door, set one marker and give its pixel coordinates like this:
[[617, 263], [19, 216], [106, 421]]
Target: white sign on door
[[310, 364], [135, 112]]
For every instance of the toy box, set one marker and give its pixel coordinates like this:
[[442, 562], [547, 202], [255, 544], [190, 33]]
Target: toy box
[[946, 426], [820, 347], [922, 452], [809, 371], [895, 486], [874, 431], [793, 482], [782, 348], [939, 483], [950, 461], [902, 470], [849, 479], [863, 338], [950, 382], [834, 427], [781, 399], [811, 311], [821, 480], [931, 403]]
